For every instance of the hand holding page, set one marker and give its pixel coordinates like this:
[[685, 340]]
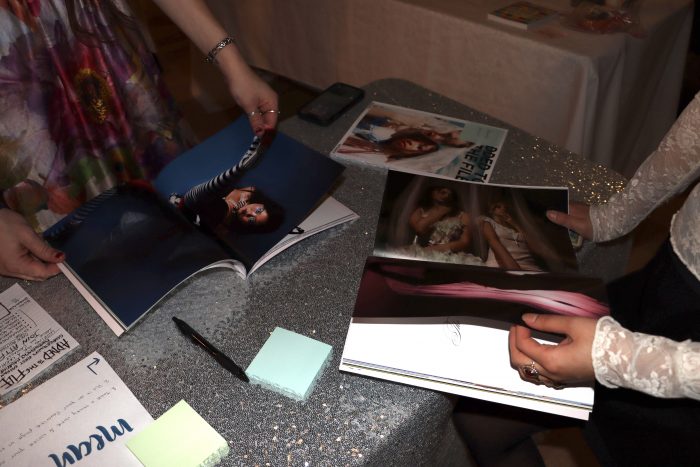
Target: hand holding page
[[456, 265], [223, 203]]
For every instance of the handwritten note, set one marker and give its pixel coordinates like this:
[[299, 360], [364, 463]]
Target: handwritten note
[[81, 417], [30, 340]]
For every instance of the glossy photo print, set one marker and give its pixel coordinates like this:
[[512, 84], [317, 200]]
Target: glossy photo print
[[448, 221], [406, 139], [393, 288]]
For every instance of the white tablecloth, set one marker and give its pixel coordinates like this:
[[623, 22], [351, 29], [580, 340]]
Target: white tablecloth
[[608, 97]]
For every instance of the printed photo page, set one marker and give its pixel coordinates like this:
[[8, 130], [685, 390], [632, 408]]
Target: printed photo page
[[405, 139]]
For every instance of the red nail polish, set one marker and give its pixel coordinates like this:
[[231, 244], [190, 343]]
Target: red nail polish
[[60, 255]]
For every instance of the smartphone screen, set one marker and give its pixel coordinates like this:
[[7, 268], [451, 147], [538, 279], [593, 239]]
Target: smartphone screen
[[331, 103]]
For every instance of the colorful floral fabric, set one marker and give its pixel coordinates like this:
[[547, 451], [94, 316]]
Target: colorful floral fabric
[[83, 105]]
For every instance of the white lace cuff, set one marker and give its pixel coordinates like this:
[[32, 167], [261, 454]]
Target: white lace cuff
[[654, 365]]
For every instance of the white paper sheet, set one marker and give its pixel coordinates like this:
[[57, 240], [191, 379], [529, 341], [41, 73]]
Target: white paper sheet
[[451, 356], [82, 416], [30, 340]]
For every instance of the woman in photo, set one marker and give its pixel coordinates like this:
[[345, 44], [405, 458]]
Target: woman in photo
[[508, 246], [399, 145], [241, 210], [441, 229]]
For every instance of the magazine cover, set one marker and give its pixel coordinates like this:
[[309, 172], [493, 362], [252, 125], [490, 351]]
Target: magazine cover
[[449, 221], [411, 140]]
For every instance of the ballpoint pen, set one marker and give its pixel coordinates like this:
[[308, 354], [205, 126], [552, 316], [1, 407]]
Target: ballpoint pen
[[222, 359]]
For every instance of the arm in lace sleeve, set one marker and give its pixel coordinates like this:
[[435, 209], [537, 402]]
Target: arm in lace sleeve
[[667, 171], [654, 365]]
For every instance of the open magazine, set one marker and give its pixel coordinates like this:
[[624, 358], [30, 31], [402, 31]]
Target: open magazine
[[224, 203], [455, 265], [411, 140]]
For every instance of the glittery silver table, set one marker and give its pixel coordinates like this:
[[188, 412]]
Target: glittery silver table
[[310, 289]]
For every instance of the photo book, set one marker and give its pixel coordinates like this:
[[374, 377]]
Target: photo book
[[455, 265], [404, 139], [523, 15], [224, 203]]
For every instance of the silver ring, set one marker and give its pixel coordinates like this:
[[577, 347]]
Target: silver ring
[[530, 372], [254, 113], [274, 111]]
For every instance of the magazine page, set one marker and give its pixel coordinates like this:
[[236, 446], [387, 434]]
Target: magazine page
[[436, 219], [445, 326], [127, 248], [328, 214], [250, 210], [411, 140]]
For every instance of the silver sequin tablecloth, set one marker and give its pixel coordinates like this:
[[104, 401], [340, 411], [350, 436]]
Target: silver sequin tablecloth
[[310, 289]]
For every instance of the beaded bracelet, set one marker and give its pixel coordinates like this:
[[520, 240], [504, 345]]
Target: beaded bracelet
[[211, 56]]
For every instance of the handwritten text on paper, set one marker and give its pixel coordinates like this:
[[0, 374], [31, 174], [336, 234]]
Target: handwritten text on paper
[[81, 417], [30, 340]]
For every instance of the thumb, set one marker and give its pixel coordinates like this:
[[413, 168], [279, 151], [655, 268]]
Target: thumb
[[42, 250], [548, 323], [560, 218]]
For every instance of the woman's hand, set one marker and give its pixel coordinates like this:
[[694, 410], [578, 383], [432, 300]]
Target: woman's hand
[[422, 221], [250, 92], [578, 219], [23, 253], [568, 363], [255, 97]]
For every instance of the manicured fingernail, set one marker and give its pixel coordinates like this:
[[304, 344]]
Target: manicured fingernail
[[60, 255], [529, 317]]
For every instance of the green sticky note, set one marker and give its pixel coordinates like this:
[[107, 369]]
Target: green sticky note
[[289, 364], [179, 438]]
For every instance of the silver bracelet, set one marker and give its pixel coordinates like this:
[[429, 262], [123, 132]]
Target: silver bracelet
[[211, 56]]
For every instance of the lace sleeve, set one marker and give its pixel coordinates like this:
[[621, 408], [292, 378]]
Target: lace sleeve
[[654, 365], [667, 171]]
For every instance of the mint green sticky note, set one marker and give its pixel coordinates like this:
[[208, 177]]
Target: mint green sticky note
[[179, 438], [289, 363]]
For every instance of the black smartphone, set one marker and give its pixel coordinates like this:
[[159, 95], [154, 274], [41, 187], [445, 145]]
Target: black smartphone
[[331, 103]]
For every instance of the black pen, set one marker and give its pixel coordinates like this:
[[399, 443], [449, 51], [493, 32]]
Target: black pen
[[223, 360]]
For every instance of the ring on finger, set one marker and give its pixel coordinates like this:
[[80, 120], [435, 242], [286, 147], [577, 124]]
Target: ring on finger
[[273, 111], [529, 372], [254, 113]]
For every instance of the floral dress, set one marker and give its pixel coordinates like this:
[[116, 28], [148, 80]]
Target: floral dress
[[443, 231], [83, 105]]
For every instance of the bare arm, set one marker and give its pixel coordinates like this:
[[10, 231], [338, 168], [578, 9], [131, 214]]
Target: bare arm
[[195, 19], [461, 243], [503, 257], [422, 221]]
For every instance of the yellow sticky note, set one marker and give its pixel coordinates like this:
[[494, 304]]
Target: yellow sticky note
[[179, 438]]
